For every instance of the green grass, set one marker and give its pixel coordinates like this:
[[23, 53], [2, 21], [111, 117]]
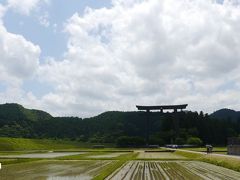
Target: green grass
[[227, 162], [20, 144], [189, 155], [16, 144], [203, 149], [16, 161]]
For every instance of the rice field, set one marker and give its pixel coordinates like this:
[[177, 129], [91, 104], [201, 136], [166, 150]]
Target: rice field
[[171, 170], [108, 155], [98, 165], [42, 155], [159, 155], [53, 170]]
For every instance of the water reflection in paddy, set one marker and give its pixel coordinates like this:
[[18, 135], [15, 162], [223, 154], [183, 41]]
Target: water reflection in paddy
[[53, 170], [43, 155]]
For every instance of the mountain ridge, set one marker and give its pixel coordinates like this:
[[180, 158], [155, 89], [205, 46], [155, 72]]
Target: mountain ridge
[[108, 127], [226, 113]]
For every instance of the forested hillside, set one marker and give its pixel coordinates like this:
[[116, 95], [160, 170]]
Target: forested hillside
[[111, 127], [226, 114]]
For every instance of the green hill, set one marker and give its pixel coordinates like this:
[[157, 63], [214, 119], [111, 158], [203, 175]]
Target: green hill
[[16, 112], [111, 127], [19, 144], [226, 114]]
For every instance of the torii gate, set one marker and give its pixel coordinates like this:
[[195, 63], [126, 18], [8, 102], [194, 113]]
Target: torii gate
[[161, 108]]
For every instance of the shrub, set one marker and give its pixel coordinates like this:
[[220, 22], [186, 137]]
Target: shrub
[[194, 141]]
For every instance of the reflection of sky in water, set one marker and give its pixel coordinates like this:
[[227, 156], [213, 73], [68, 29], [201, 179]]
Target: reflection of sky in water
[[82, 177], [44, 155]]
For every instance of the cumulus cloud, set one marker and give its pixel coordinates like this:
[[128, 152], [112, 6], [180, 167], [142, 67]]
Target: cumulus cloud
[[135, 52], [148, 52], [19, 61], [19, 57]]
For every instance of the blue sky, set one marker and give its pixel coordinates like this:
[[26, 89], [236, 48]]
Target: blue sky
[[85, 57], [51, 40]]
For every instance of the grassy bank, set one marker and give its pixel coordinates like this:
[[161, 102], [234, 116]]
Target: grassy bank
[[189, 155], [227, 162], [204, 149], [223, 161], [20, 144], [16, 161]]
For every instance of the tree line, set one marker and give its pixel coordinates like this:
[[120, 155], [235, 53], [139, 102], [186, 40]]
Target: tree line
[[122, 128]]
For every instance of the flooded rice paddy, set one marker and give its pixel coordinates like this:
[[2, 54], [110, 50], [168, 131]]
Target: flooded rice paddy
[[147, 166], [108, 155], [42, 155], [171, 170], [159, 155], [53, 170]]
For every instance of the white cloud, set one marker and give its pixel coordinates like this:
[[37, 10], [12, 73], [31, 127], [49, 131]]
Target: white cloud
[[19, 61], [19, 57], [136, 52], [2, 11], [147, 52]]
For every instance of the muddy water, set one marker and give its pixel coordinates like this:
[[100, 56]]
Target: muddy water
[[43, 155], [53, 170]]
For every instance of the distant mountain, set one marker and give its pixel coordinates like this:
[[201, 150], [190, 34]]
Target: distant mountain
[[109, 127], [227, 114]]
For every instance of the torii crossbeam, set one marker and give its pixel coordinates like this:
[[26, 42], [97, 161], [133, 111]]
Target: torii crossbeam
[[163, 107]]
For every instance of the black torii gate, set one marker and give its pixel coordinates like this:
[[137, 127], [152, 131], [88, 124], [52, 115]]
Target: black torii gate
[[175, 109]]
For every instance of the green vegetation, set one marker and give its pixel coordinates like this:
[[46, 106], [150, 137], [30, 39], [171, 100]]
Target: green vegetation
[[17, 121], [104, 164], [16, 161], [109, 170], [19, 144], [227, 162], [203, 149], [194, 141], [163, 156], [189, 155]]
